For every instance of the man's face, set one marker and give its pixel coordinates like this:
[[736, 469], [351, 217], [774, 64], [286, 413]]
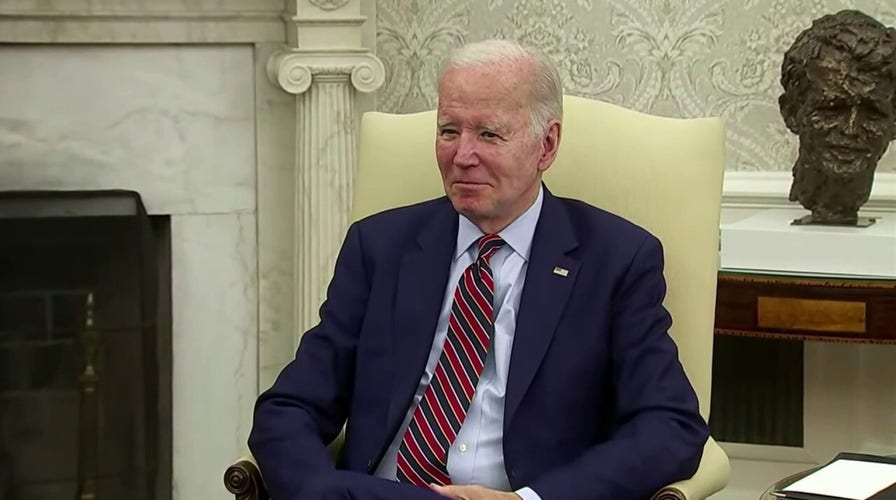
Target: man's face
[[491, 164], [847, 124]]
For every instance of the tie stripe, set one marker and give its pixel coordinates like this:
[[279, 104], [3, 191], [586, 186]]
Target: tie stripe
[[423, 454]]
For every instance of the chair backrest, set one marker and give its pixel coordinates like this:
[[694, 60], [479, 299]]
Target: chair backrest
[[664, 174]]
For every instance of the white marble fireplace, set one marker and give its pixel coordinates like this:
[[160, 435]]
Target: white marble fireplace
[[175, 124], [208, 110]]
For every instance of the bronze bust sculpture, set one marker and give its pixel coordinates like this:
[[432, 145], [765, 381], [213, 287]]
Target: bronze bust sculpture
[[839, 80]]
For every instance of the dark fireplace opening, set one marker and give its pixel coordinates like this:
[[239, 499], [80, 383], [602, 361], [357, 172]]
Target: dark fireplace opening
[[85, 347]]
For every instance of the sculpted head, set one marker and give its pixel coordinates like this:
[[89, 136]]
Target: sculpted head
[[839, 80]]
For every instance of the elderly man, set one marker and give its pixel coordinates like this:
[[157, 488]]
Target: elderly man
[[498, 342]]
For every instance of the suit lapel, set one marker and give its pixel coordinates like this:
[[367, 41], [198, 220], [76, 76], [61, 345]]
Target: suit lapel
[[544, 297], [422, 279]]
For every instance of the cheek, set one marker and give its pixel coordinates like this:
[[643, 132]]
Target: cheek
[[885, 128], [813, 132], [445, 154]]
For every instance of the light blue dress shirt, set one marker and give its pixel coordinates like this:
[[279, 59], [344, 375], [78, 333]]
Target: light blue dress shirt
[[477, 455]]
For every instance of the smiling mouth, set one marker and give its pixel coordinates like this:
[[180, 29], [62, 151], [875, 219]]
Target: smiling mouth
[[846, 149], [846, 152]]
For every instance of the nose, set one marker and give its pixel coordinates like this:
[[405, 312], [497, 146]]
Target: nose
[[851, 128], [466, 154]]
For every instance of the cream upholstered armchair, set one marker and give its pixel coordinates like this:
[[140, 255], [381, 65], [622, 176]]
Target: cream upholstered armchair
[[664, 174]]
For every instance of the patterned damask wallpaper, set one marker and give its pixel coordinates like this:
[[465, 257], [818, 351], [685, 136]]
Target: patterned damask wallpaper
[[683, 58]]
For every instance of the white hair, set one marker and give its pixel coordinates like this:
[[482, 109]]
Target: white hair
[[547, 89]]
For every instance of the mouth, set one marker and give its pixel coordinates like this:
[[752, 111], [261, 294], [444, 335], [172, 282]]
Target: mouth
[[846, 148], [846, 152]]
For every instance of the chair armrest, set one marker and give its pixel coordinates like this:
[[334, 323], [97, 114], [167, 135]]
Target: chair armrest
[[244, 480], [711, 477]]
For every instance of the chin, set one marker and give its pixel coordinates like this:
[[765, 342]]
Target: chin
[[841, 168], [465, 208], [468, 208]]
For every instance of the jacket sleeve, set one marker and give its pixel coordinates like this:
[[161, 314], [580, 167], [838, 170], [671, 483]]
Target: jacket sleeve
[[658, 432], [307, 405]]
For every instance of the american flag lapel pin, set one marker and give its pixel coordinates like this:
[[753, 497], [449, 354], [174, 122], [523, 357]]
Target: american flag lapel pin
[[561, 271]]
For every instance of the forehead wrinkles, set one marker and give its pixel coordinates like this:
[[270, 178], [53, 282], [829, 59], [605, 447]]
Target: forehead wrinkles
[[492, 96]]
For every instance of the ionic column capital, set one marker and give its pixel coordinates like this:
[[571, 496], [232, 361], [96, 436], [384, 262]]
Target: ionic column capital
[[294, 70]]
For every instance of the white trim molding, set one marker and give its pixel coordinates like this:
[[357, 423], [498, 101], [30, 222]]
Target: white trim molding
[[747, 451], [162, 21], [767, 189]]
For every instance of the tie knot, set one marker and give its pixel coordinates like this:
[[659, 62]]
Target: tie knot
[[488, 245]]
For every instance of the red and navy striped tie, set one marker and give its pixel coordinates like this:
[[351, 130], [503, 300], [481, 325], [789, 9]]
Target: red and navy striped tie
[[423, 455]]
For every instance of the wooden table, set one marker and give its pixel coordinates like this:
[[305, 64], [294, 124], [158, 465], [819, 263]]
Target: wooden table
[[838, 309], [787, 481]]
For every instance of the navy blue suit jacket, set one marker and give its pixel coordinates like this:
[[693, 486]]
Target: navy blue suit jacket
[[597, 404]]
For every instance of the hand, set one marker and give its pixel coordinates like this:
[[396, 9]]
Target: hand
[[472, 492]]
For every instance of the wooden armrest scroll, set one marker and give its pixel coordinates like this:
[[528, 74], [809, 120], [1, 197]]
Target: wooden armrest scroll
[[669, 493], [244, 480]]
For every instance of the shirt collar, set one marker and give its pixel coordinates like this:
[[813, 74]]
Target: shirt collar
[[518, 235]]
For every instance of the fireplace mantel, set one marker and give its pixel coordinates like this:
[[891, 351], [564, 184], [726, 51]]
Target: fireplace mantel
[[162, 21], [175, 100]]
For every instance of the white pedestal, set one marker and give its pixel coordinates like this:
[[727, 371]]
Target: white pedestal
[[767, 241]]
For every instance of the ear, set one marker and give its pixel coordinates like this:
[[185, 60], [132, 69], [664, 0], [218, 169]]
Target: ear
[[789, 110], [893, 117], [549, 145]]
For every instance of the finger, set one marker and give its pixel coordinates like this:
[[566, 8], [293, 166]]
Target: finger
[[447, 491]]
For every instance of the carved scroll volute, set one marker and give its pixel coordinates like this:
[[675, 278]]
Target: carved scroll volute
[[294, 71]]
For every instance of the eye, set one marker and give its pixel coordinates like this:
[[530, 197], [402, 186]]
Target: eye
[[489, 135], [447, 132], [825, 114], [875, 113]]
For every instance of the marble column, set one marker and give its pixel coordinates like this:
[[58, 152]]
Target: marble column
[[326, 82]]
